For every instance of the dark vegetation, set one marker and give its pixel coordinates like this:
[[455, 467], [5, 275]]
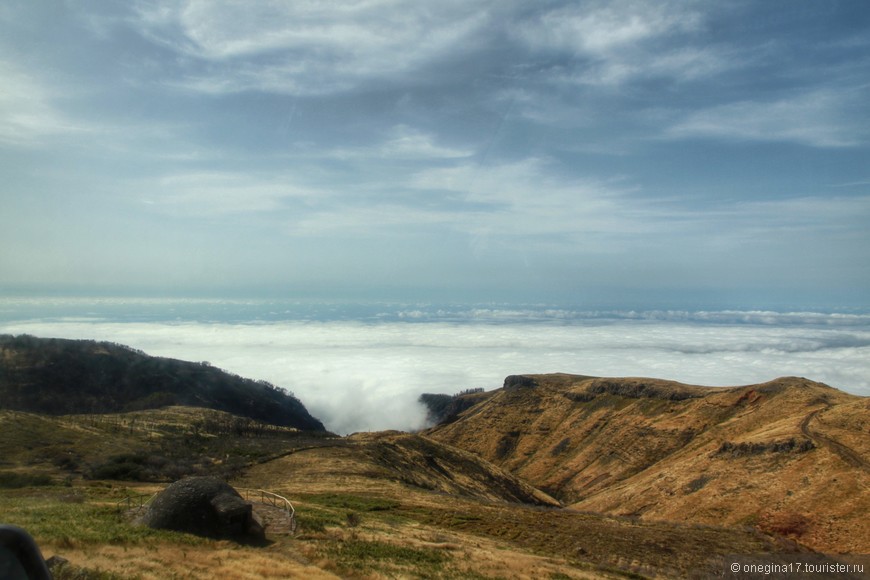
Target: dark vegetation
[[790, 445], [639, 390], [561, 447], [507, 444], [441, 409], [147, 446], [57, 377], [175, 456], [519, 382], [14, 480]]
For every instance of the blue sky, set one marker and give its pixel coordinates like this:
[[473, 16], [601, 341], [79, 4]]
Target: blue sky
[[633, 154]]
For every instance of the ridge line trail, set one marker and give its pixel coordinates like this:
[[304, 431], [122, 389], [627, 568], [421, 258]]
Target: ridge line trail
[[845, 452]]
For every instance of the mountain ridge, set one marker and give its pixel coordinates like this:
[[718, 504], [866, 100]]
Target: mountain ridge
[[788, 450], [59, 376]]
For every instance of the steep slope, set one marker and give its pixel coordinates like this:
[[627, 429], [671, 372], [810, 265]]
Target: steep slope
[[58, 376], [407, 490], [789, 456], [371, 461]]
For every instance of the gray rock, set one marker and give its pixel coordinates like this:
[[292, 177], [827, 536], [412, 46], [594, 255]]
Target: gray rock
[[205, 506], [56, 562]]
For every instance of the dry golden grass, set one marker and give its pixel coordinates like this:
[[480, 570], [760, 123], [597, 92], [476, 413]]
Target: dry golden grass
[[659, 457], [394, 505], [166, 561], [478, 537]]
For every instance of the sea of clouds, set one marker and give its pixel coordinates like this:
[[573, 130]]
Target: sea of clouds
[[363, 367]]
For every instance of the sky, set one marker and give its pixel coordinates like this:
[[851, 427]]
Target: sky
[[623, 153]]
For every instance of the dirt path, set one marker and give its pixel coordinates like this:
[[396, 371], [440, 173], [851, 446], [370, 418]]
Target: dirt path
[[846, 453]]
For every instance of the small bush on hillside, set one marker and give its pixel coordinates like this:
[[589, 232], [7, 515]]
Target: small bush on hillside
[[785, 524], [563, 446], [507, 444], [697, 484], [67, 461]]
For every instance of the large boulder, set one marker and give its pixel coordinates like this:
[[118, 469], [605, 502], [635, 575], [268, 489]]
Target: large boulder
[[205, 506]]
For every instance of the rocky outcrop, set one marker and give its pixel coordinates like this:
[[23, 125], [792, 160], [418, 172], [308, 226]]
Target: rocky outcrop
[[205, 506], [519, 382]]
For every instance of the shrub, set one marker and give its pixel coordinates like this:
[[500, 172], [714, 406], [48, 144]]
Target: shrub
[[125, 467], [785, 524]]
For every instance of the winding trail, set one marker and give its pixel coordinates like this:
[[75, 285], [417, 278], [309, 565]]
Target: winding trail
[[846, 453]]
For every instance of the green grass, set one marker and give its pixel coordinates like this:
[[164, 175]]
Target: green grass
[[353, 502], [344, 510], [78, 518], [359, 555], [315, 520], [347, 510]]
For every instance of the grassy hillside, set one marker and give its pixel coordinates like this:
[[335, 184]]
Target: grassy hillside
[[789, 456], [377, 505], [357, 498], [155, 445], [57, 376], [662, 480]]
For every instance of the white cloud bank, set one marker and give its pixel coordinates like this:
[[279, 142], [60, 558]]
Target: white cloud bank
[[367, 375]]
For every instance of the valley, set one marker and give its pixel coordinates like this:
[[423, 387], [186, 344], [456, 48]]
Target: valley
[[550, 476]]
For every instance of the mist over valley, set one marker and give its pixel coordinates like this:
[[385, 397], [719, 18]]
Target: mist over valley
[[362, 367]]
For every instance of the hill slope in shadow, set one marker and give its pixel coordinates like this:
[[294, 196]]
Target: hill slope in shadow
[[57, 376]]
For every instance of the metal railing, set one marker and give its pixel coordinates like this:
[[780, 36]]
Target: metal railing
[[134, 503], [273, 499]]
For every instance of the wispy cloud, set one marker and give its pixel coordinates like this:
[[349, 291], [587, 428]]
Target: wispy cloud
[[514, 202], [28, 112], [223, 193], [819, 118], [852, 184], [306, 47], [404, 143], [600, 28], [611, 43]]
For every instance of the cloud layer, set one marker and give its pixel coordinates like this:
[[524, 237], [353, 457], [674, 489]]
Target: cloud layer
[[366, 375]]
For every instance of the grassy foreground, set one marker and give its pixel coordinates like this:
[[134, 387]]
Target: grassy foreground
[[371, 506], [340, 535]]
